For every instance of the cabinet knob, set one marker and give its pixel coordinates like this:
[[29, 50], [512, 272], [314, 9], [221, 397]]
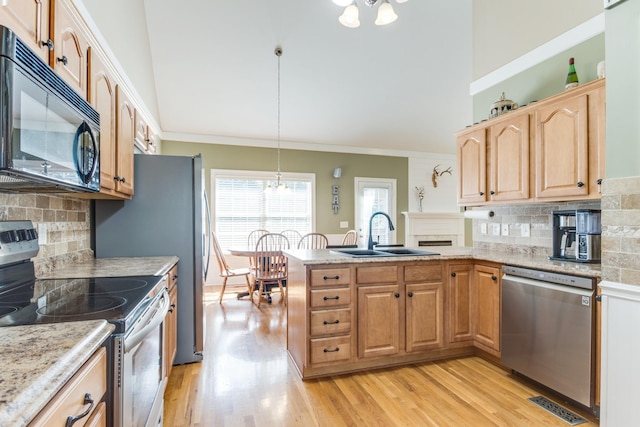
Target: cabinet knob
[[116, 178], [492, 192], [410, 294], [397, 295], [64, 60], [494, 277], [580, 184], [599, 181], [481, 193], [48, 44], [453, 274], [123, 180]]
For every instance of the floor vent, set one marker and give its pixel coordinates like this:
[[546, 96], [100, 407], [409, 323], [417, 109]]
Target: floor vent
[[557, 410]]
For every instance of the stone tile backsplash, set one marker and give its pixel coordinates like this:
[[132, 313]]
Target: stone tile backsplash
[[488, 234], [621, 230], [63, 224]]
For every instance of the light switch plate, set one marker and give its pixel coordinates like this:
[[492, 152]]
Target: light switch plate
[[483, 228], [505, 229], [525, 230], [495, 229], [344, 224]]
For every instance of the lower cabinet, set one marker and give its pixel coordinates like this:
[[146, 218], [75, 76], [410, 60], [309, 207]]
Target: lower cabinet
[[80, 398], [486, 295], [171, 322], [460, 302], [378, 320]]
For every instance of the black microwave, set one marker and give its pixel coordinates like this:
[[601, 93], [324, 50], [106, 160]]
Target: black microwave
[[50, 136]]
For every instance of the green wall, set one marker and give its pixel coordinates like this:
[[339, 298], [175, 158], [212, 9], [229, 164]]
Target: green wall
[[321, 163], [544, 79]]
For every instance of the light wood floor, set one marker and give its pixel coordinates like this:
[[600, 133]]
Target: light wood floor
[[247, 380]]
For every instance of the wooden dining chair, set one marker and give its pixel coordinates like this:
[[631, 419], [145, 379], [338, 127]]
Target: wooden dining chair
[[313, 241], [225, 270], [293, 236], [252, 239], [271, 266], [350, 238]]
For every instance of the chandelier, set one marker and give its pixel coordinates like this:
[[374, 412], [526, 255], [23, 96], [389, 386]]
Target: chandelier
[[350, 16], [279, 186]]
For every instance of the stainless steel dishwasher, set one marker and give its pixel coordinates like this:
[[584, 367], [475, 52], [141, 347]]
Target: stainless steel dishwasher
[[548, 330]]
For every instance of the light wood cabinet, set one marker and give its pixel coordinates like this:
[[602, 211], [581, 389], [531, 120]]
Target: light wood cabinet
[[552, 150], [424, 316], [85, 389], [508, 149], [472, 164], [460, 302], [378, 320], [29, 20], [486, 296], [69, 57], [125, 128], [171, 322]]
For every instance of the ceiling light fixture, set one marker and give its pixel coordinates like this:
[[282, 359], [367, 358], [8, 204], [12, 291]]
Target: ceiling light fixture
[[350, 16], [279, 186]]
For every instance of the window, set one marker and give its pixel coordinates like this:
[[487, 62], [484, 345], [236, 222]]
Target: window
[[241, 205]]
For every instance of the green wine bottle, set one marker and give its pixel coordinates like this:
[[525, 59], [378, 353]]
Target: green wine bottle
[[572, 76]]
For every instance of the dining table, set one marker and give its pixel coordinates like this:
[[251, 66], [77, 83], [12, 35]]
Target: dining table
[[244, 251]]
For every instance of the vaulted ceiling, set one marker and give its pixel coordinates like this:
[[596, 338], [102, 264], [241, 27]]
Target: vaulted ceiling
[[401, 87]]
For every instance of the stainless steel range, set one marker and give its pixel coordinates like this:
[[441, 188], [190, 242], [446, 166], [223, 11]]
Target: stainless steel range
[[136, 306]]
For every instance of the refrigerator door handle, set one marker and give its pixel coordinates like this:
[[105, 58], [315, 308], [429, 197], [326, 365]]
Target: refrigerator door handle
[[206, 236]]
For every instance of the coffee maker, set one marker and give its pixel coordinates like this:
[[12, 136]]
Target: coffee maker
[[576, 235]]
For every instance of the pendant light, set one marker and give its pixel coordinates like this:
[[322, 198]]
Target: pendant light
[[279, 186], [350, 16]]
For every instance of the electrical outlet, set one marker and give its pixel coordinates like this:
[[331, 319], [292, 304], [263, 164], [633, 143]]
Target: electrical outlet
[[495, 229], [525, 230], [483, 228], [505, 229], [344, 224]]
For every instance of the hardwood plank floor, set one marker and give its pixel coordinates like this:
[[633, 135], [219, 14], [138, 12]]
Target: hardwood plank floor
[[246, 380]]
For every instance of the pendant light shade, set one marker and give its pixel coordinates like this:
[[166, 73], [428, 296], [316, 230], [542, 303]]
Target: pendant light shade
[[344, 3], [386, 15], [350, 16]]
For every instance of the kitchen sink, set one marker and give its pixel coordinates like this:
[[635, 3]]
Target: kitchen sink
[[382, 252]]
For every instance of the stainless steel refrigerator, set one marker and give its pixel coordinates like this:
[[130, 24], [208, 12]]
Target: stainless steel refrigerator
[[166, 216]]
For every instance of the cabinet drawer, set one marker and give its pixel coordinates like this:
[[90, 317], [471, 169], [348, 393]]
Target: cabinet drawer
[[330, 297], [330, 277], [173, 276], [90, 379], [326, 322], [378, 274], [330, 349], [423, 273]]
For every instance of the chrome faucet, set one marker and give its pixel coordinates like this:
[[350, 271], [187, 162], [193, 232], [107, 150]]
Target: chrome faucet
[[370, 243]]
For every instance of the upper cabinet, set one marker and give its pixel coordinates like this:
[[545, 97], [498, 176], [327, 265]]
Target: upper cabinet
[[125, 129], [29, 19], [552, 150], [69, 57]]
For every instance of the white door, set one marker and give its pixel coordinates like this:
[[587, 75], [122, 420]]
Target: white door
[[375, 195]]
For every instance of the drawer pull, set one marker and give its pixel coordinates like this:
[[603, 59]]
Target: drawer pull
[[335, 322], [337, 297], [326, 350], [87, 401], [336, 277]]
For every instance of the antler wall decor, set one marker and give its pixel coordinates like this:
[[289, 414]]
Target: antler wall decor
[[437, 173]]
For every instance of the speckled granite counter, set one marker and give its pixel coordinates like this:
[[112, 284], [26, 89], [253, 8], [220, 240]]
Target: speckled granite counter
[[324, 256], [38, 360], [115, 267]]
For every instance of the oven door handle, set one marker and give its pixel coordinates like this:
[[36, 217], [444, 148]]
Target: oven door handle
[[161, 310]]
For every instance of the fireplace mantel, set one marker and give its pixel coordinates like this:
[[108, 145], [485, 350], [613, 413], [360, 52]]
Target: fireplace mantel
[[426, 228]]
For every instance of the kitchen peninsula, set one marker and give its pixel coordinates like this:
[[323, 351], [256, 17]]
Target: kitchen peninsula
[[347, 314]]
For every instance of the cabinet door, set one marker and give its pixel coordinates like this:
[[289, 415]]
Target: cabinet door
[[597, 139], [472, 164], [171, 331], [561, 148], [378, 320], [509, 158], [69, 56], [424, 316], [29, 19], [102, 95], [142, 132], [125, 128], [487, 298], [460, 302]]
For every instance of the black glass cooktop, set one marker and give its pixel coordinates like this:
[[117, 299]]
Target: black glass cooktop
[[38, 301]]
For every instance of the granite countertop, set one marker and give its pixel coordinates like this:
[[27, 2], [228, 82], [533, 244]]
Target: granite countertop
[[324, 256], [38, 360], [115, 267]]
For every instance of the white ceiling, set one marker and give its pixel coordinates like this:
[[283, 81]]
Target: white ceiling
[[402, 87]]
